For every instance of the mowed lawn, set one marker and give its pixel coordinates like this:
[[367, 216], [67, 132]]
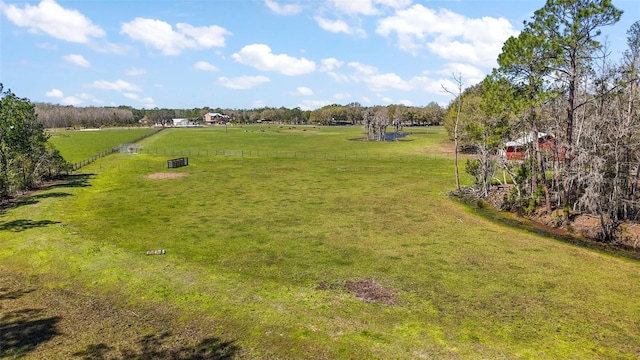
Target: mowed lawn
[[263, 249], [76, 146]]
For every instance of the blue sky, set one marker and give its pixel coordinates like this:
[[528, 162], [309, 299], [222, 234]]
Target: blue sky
[[254, 53]]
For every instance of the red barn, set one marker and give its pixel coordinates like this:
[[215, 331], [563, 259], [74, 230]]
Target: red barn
[[518, 148]]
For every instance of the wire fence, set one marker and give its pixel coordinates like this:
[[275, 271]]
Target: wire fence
[[329, 155], [192, 156], [132, 148], [78, 165]]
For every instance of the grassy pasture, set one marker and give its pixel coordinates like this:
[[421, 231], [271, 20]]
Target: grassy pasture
[[76, 146], [259, 248]]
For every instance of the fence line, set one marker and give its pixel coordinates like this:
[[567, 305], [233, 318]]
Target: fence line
[[254, 154], [292, 154], [78, 165]]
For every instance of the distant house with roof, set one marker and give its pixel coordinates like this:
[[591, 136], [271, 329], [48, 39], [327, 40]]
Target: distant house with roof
[[180, 122], [518, 149], [183, 123], [214, 118]]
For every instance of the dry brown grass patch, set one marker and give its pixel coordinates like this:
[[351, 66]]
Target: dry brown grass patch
[[165, 176]]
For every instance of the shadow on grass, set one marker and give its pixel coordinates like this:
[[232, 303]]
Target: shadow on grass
[[29, 200], [23, 330], [514, 221], [25, 224], [7, 294], [71, 181], [154, 347], [65, 181]]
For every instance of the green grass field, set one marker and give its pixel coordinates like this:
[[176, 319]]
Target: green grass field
[[76, 146], [260, 244]]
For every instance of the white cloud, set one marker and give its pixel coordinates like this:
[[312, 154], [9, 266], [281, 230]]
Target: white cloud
[[203, 37], [303, 90], [382, 82], [64, 100], [243, 82], [161, 35], [47, 46], [340, 78], [289, 9], [77, 60], [54, 93], [433, 86], [50, 18], [135, 72], [313, 104], [448, 34], [71, 100], [470, 74], [118, 85], [396, 4], [367, 7], [339, 26], [329, 64], [85, 96], [260, 57], [106, 47], [205, 66], [341, 96], [363, 69], [378, 82], [360, 7], [147, 102]]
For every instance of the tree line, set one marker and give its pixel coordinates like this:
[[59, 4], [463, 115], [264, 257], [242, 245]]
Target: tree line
[[26, 157], [57, 116], [558, 77]]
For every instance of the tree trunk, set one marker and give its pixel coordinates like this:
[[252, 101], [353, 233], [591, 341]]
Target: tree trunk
[[455, 144], [541, 168]]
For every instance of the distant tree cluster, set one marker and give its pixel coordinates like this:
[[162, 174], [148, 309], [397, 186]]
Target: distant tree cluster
[[335, 114], [375, 120], [56, 116], [556, 78], [356, 114], [26, 157]]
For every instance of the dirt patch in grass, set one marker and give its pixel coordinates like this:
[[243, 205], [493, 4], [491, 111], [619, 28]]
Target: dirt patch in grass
[[369, 291], [165, 176], [366, 290]]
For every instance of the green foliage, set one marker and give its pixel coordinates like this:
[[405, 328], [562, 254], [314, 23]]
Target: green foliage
[[473, 167], [471, 98], [523, 205], [535, 201], [633, 38], [567, 23], [485, 114], [25, 157], [547, 63], [523, 172]]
